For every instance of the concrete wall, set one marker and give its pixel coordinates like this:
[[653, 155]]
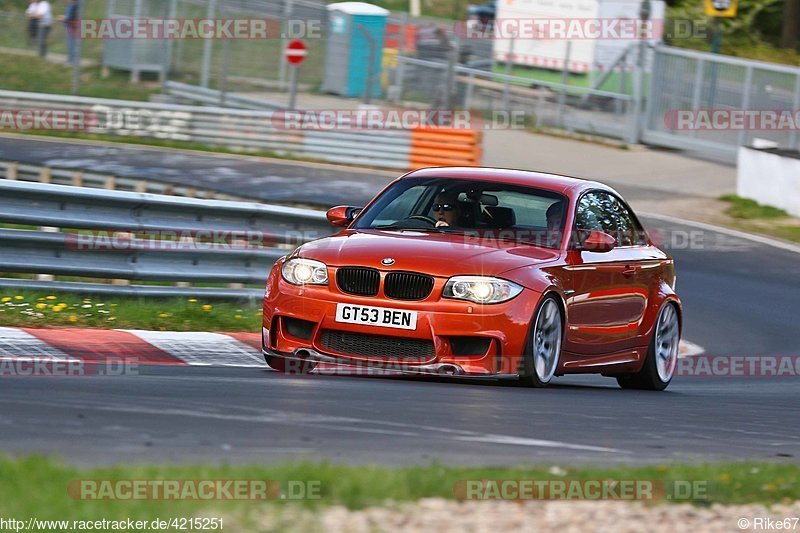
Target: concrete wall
[[769, 178]]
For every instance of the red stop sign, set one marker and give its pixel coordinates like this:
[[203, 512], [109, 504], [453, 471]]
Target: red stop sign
[[296, 52]]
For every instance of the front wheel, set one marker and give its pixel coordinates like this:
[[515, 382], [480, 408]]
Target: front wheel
[[543, 350], [662, 355]]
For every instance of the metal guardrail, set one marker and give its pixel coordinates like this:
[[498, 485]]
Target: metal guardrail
[[204, 95], [240, 129], [115, 250], [12, 170]]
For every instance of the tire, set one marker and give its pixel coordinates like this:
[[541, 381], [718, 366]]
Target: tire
[[662, 354], [543, 346], [284, 366]]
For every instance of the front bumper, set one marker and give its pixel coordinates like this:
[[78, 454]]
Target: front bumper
[[440, 322]]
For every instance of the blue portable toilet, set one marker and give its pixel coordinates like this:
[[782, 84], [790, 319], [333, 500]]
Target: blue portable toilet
[[351, 27]]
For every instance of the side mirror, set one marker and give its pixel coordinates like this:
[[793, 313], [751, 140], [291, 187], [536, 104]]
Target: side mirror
[[599, 242], [342, 215]]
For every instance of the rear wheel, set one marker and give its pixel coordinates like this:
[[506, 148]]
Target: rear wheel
[[662, 355], [543, 350]]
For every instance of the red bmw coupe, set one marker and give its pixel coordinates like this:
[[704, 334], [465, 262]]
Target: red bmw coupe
[[480, 272]]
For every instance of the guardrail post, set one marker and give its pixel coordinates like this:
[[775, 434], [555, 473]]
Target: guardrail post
[[111, 183], [141, 186], [45, 175], [77, 179], [698, 86], [11, 171], [748, 85], [795, 105], [47, 277], [470, 90]]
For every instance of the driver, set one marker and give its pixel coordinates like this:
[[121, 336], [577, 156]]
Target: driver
[[446, 210]]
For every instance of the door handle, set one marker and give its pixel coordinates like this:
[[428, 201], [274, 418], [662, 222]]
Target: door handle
[[629, 271]]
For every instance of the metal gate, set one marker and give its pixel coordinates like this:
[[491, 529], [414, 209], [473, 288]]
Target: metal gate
[[702, 83]]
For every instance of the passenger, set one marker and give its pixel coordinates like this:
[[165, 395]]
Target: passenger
[[555, 216]]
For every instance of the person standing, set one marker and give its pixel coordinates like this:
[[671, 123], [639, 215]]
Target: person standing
[[44, 15], [70, 21], [33, 23]]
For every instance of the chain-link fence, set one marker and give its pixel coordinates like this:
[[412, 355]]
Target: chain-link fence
[[14, 32]]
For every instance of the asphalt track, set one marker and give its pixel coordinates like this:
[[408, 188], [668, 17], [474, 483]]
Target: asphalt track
[[268, 180], [740, 298]]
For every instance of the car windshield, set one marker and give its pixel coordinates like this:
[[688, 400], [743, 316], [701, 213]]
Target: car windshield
[[489, 209]]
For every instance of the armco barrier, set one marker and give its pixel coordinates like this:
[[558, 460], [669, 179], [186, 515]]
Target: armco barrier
[[14, 171], [253, 131], [121, 253]]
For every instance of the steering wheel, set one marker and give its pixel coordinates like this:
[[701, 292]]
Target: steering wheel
[[424, 218]]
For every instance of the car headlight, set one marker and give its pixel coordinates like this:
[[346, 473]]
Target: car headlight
[[481, 289], [305, 272]]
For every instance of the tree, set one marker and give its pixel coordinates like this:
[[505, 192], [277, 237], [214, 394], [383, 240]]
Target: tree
[[790, 33]]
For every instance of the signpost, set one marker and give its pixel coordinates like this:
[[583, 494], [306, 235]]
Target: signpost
[[295, 54], [719, 9]]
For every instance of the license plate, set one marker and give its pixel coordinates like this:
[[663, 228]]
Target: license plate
[[376, 316]]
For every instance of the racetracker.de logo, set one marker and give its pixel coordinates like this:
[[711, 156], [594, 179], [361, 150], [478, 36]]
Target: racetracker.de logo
[[561, 29], [580, 489], [199, 28], [193, 489], [732, 119], [397, 119], [46, 119]]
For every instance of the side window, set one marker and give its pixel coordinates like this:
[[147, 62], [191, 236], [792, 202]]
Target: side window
[[629, 232], [602, 211], [593, 215]]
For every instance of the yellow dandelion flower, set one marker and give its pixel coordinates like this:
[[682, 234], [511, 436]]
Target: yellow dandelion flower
[[238, 317], [19, 297], [50, 297], [192, 300], [6, 299], [41, 306], [164, 315], [207, 307], [73, 318]]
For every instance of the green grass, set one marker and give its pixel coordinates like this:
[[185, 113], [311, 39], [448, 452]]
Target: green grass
[[33, 74], [37, 487], [749, 215], [48, 309], [750, 209]]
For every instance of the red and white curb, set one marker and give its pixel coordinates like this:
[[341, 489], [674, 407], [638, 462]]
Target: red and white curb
[[145, 347], [150, 347]]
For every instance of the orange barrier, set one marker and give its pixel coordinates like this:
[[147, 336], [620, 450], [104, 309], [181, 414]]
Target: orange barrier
[[395, 34], [438, 147]]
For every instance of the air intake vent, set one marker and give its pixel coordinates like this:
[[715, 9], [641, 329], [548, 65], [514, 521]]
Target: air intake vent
[[358, 281], [407, 286], [377, 346]]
